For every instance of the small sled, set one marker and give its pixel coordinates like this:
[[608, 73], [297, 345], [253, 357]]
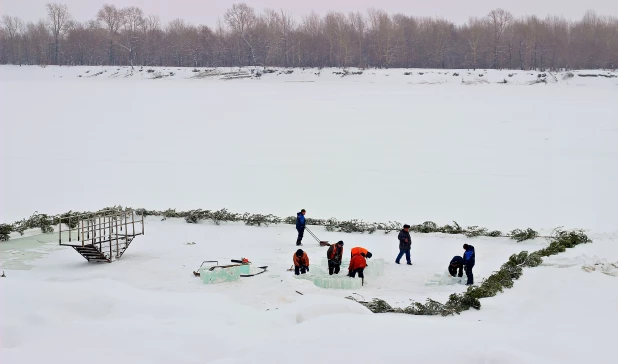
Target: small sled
[[322, 243], [244, 261]]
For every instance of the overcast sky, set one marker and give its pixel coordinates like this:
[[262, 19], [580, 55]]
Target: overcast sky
[[209, 11]]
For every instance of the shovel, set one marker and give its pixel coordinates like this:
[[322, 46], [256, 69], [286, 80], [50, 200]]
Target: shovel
[[322, 243]]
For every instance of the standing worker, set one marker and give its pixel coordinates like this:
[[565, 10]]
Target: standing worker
[[468, 261], [301, 262], [300, 226], [357, 265], [455, 265], [334, 255], [405, 244]]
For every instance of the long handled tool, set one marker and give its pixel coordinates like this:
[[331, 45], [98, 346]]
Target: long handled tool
[[322, 243]]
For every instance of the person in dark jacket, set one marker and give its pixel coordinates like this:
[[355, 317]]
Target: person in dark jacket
[[334, 254], [301, 262], [300, 226], [405, 244], [468, 262], [456, 265], [358, 263]]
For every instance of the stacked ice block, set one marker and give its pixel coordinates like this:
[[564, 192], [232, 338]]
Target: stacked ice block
[[219, 275], [337, 281], [345, 263], [375, 267], [320, 278], [245, 269]]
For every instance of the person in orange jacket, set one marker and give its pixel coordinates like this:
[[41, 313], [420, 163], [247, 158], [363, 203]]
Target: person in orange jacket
[[357, 265], [360, 250], [301, 262]]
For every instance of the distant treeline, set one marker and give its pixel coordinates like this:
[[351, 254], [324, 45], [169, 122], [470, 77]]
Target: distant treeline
[[127, 36]]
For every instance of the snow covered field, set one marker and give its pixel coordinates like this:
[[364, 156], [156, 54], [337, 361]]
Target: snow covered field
[[365, 146], [383, 146]]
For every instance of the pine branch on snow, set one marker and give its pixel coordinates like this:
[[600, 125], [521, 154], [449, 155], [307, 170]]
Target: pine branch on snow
[[521, 235], [451, 229], [45, 222], [505, 277], [259, 219], [5, 230], [426, 227]]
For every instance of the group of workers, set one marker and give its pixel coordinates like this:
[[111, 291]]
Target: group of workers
[[358, 260], [359, 255]]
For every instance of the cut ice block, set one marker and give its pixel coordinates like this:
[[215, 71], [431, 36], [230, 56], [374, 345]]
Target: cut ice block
[[445, 279], [245, 269], [345, 262], [317, 271], [219, 275], [375, 268], [320, 278], [337, 282], [313, 272]]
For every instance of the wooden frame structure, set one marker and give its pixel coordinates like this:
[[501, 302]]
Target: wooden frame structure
[[103, 236]]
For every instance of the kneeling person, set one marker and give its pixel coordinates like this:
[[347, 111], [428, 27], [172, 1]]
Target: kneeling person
[[301, 262]]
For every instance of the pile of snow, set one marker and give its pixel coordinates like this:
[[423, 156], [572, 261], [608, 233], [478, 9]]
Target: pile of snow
[[588, 264]]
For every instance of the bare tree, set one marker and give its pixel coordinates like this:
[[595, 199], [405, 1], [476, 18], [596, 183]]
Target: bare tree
[[381, 37], [112, 19], [13, 26], [241, 18], [59, 18], [287, 28], [273, 38], [358, 24], [473, 33], [500, 20], [132, 21]]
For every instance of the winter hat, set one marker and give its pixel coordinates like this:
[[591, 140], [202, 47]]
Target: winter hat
[[340, 242], [299, 253], [406, 226], [369, 255], [465, 246]]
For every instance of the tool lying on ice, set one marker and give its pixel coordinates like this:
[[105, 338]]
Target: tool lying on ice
[[243, 261], [322, 243]]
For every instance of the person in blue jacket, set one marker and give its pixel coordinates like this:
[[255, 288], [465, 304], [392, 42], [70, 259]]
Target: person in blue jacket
[[468, 262], [300, 226]]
